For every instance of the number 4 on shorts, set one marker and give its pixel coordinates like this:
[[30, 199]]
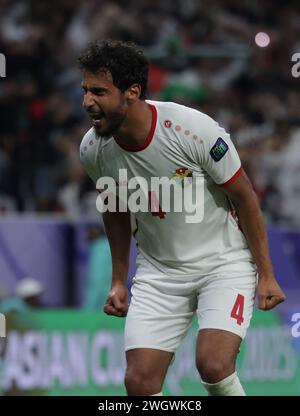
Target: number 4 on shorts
[[238, 309]]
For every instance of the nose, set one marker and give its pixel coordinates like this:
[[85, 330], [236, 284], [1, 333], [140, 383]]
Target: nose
[[88, 100]]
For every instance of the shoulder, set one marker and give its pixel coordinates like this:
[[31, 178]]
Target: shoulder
[[86, 140], [88, 146], [168, 107], [88, 154], [183, 115]]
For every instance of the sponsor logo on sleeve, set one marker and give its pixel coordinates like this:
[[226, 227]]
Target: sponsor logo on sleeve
[[218, 150]]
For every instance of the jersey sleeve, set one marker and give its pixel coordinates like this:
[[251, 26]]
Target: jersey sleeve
[[216, 153], [88, 157]]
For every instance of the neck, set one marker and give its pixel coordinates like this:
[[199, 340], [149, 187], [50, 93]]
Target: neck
[[136, 127]]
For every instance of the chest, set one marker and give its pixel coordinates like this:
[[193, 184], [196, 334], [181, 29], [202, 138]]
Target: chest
[[157, 161]]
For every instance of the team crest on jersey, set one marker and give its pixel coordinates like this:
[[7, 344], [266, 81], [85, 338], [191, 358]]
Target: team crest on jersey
[[181, 173], [218, 150]]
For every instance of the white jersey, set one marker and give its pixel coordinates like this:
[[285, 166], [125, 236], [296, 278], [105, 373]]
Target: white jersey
[[181, 140]]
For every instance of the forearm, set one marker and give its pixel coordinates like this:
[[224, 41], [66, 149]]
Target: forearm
[[117, 226], [252, 224], [251, 220]]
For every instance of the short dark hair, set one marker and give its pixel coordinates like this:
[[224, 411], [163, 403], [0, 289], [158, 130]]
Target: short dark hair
[[126, 63]]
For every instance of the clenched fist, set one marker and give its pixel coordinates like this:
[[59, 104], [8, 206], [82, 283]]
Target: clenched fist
[[117, 301], [269, 294]]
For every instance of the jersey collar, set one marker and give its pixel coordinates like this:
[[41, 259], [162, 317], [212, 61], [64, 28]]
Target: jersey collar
[[149, 136]]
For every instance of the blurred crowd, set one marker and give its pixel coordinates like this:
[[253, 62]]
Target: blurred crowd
[[202, 53]]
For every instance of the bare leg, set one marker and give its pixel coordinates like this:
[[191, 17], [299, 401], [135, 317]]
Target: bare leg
[[216, 355], [146, 371]]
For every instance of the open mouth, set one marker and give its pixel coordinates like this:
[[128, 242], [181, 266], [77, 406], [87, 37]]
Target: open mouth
[[96, 118]]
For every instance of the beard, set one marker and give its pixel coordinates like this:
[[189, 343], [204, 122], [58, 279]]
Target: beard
[[110, 122]]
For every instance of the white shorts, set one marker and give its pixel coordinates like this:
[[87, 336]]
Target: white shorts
[[162, 308]]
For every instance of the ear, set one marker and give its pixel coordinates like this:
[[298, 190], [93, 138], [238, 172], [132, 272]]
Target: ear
[[133, 93]]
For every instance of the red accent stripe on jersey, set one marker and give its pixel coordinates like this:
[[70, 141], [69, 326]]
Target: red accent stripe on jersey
[[233, 178], [148, 138]]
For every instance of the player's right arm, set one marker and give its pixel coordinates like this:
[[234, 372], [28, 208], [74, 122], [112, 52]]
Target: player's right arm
[[118, 230]]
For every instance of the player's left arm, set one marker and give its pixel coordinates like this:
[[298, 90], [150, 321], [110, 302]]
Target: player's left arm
[[244, 199], [217, 155]]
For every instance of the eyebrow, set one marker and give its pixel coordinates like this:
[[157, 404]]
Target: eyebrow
[[94, 89]]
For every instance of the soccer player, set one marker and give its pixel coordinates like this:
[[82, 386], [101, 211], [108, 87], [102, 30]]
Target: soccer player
[[210, 268]]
